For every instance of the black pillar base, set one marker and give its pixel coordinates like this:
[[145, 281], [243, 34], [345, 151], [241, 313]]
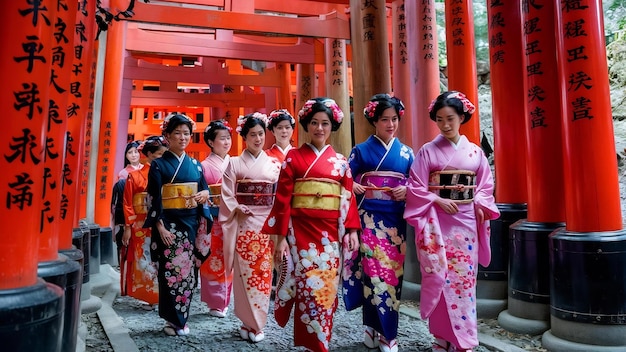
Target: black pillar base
[[31, 318], [587, 291], [411, 285], [529, 279], [81, 239], [491, 288]]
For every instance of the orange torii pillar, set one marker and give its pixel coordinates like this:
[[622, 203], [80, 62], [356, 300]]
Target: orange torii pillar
[[29, 307], [337, 89], [529, 281], [588, 257], [424, 60], [402, 71], [54, 267], [305, 90], [109, 119], [359, 98], [374, 45], [509, 105], [462, 59]]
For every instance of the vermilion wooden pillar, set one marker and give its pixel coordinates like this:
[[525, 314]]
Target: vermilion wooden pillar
[[375, 55], [402, 70], [28, 306], [359, 95], [305, 80], [588, 257], [424, 70], [529, 288], [462, 59], [337, 89], [110, 115]]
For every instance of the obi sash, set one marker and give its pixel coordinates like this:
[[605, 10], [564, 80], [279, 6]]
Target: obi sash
[[251, 192], [378, 184], [140, 203], [215, 191], [458, 185], [179, 195], [316, 193]]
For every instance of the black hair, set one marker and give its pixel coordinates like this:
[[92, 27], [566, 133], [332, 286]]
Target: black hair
[[444, 100], [385, 101], [283, 115], [177, 120], [129, 146], [153, 144], [319, 106], [250, 122], [211, 130]]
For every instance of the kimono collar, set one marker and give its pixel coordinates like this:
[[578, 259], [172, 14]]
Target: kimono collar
[[284, 151], [217, 156], [252, 156], [318, 152], [180, 158], [386, 145]]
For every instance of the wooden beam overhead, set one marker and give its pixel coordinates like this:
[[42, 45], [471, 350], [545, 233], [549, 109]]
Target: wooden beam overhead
[[220, 100], [332, 26]]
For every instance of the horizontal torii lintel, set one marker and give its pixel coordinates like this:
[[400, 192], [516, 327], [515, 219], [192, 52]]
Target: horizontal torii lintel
[[222, 100], [329, 27]]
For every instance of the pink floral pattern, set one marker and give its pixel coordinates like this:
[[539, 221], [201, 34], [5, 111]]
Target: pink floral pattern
[[178, 270]]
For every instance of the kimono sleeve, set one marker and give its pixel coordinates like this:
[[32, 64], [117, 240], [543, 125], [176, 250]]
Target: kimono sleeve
[[277, 222], [353, 221], [355, 162], [203, 186], [129, 192], [418, 199], [483, 197], [155, 183], [229, 188]]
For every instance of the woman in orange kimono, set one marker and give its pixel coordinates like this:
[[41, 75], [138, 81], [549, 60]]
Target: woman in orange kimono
[[315, 190], [215, 285], [137, 271], [281, 124], [247, 198]]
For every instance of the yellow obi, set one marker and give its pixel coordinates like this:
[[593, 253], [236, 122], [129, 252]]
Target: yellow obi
[[316, 193], [179, 195], [458, 185], [216, 194], [140, 203]]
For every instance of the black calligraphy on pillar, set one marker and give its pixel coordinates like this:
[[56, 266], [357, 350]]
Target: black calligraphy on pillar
[[403, 52], [533, 31], [106, 157], [22, 147], [305, 87], [337, 63], [32, 48], [457, 11], [429, 27], [63, 206], [20, 192], [35, 9], [28, 98], [368, 9], [497, 23]]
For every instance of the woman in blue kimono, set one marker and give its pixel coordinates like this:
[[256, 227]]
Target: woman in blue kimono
[[373, 278], [178, 191]]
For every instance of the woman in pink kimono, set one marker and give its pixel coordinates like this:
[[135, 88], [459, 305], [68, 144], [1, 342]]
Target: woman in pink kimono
[[215, 285], [247, 198], [450, 201], [315, 191], [281, 124]]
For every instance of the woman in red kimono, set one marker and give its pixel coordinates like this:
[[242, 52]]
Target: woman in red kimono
[[247, 197], [281, 124], [138, 274], [215, 285], [315, 190]]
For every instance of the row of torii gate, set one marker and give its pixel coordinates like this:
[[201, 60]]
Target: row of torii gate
[[559, 247]]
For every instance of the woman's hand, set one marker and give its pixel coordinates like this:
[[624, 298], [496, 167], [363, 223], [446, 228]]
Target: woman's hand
[[243, 209], [399, 193], [126, 236], [202, 196], [166, 237], [282, 249], [351, 240], [447, 205], [358, 188]]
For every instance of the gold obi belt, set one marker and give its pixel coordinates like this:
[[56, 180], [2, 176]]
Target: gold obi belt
[[316, 193], [251, 192], [179, 195], [216, 194], [378, 184], [140, 203], [458, 185]]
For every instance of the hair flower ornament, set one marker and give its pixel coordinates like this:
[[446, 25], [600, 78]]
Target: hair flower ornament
[[306, 108], [370, 109], [337, 113], [277, 113], [241, 120], [468, 107], [223, 122], [167, 119]]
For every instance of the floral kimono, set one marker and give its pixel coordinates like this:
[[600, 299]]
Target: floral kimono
[[450, 247], [138, 272], [215, 285], [248, 250], [312, 284], [176, 263], [383, 238], [277, 152]]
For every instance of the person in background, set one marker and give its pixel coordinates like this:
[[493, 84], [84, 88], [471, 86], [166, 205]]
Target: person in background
[[281, 124], [450, 201], [215, 285], [380, 166], [315, 191], [132, 159], [247, 198], [138, 274], [177, 191]]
